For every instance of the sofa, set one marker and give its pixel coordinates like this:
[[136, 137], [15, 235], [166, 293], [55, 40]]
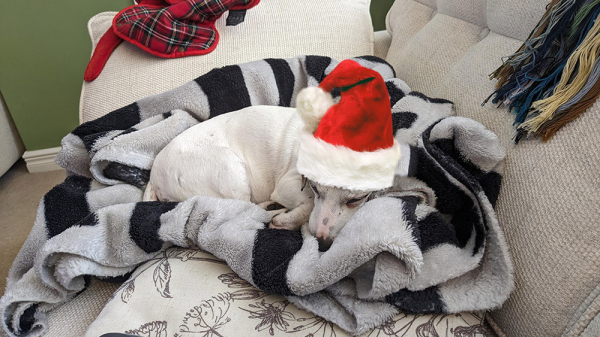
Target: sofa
[[549, 205]]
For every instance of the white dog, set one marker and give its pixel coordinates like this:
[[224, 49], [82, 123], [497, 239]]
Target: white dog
[[264, 154], [251, 155]]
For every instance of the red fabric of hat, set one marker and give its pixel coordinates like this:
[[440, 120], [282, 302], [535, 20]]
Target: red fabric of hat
[[362, 120], [350, 144]]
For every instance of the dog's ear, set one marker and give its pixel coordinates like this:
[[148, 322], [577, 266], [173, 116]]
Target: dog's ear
[[304, 181], [372, 196], [378, 194]]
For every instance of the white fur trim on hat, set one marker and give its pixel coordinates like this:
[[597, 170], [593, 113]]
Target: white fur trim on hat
[[340, 166], [312, 103]]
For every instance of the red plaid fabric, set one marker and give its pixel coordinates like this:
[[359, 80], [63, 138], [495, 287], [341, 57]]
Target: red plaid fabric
[[181, 29], [165, 28]]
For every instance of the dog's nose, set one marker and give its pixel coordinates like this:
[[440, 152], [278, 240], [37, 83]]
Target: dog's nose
[[322, 232], [324, 244]]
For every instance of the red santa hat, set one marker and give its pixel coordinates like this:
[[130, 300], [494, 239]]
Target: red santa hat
[[350, 144]]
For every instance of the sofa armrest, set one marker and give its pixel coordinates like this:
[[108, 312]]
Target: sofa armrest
[[274, 29], [382, 43]]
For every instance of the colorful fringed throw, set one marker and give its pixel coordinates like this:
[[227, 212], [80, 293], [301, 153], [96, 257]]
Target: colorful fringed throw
[[553, 77]]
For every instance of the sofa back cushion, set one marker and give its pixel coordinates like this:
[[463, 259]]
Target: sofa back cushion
[[549, 206], [274, 29]]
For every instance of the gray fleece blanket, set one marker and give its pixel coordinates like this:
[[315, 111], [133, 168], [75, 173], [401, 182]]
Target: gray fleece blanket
[[431, 244]]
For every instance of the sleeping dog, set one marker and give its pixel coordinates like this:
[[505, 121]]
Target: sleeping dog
[[251, 155], [268, 154]]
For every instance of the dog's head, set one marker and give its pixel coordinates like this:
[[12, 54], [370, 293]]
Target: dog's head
[[333, 208]]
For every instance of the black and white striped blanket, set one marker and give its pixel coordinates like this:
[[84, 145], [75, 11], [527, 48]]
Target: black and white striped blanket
[[431, 244]]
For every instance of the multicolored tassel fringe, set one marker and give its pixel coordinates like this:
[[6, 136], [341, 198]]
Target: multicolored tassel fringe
[[553, 78]]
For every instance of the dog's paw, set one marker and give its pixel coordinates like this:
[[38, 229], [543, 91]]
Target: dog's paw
[[275, 225], [273, 214], [285, 221], [271, 206]]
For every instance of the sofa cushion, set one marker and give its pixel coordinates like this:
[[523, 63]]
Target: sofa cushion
[[514, 19], [549, 206], [430, 54], [270, 30], [471, 11], [188, 292], [74, 317], [408, 18], [381, 43]]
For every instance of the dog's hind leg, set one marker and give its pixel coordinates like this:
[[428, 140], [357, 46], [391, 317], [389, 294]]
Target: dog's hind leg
[[199, 169], [149, 193], [223, 175]]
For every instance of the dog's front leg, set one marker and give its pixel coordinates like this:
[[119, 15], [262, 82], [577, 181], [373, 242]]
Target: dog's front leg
[[294, 218], [291, 193]]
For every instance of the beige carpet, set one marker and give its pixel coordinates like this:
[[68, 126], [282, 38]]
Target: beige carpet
[[20, 193]]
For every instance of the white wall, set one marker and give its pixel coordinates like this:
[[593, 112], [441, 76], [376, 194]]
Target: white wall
[[11, 146]]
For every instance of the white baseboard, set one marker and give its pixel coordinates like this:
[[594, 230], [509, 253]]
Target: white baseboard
[[42, 160]]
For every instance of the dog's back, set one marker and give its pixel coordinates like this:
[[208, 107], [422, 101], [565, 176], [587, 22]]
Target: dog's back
[[239, 155]]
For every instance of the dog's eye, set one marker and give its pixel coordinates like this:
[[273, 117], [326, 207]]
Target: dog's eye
[[357, 201]]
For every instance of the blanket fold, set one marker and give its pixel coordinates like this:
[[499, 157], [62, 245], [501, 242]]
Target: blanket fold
[[430, 244]]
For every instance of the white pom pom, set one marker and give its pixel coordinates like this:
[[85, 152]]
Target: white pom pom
[[312, 103]]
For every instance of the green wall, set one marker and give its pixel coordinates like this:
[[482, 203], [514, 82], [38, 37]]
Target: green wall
[[44, 49], [379, 9], [43, 54]]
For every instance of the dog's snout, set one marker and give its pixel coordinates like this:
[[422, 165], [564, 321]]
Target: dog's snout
[[325, 221], [322, 232]]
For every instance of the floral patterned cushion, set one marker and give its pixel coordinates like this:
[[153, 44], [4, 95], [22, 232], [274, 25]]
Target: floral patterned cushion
[[187, 292]]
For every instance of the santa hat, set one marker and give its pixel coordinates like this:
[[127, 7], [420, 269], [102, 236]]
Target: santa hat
[[350, 144]]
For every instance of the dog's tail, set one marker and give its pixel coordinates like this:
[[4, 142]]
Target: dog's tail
[[150, 193]]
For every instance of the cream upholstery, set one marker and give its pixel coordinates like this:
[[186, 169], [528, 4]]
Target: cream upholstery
[[549, 205], [381, 44], [73, 318]]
